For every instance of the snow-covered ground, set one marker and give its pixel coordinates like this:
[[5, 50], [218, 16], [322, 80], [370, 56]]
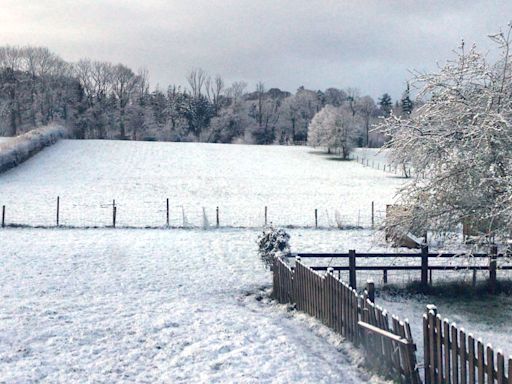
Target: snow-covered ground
[[240, 179], [185, 305], [4, 139], [153, 306]]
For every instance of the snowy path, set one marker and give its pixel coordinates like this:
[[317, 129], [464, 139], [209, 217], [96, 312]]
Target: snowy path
[[152, 306]]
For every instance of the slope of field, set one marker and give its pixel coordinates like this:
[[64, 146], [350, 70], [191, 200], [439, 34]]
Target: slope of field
[[156, 306], [240, 179]]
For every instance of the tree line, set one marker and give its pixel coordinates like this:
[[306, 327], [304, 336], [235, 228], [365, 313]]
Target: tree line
[[100, 100]]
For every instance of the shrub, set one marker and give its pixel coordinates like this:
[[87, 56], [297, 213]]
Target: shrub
[[19, 149], [272, 243]]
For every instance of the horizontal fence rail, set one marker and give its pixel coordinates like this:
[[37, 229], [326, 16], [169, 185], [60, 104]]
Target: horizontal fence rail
[[424, 256], [387, 340]]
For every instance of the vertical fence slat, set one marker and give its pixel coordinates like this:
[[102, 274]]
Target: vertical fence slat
[[439, 350], [463, 357], [472, 359], [490, 364], [480, 361], [500, 367], [454, 354], [510, 370], [432, 346], [446, 343]]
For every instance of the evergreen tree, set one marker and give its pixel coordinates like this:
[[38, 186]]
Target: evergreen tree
[[407, 104], [385, 104]]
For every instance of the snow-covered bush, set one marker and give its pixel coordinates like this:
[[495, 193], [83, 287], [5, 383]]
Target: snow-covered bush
[[460, 140], [19, 149], [272, 243]]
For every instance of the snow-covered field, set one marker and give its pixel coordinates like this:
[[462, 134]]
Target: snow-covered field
[[184, 305], [4, 139], [240, 179], [153, 306]]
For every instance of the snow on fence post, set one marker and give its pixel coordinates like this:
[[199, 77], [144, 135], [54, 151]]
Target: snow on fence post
[[3, 216], [352, 268], [58, 208], [492, 268]]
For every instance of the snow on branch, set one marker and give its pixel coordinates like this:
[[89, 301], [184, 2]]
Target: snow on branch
[[459, 142]]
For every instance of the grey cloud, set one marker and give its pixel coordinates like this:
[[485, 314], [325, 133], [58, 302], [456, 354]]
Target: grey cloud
[[366, 44]]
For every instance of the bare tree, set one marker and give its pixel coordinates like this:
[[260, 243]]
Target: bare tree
[[196, 80]]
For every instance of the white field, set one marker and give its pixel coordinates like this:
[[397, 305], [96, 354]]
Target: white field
[[241, 180], [179, 305], [4, 139], [168, 305]]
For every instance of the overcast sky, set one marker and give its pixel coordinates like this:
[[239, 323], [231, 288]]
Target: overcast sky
[[370, 45]]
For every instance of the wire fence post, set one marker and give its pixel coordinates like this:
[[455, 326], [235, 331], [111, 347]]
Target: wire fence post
[[373, 214], [217, 217], [114, 213], [58, 209], [167, 203], [3, 216], [316, 218], [266, 215]]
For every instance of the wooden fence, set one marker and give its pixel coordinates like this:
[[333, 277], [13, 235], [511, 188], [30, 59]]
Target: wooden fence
[[423, 266], [453, 357], [389, 346]]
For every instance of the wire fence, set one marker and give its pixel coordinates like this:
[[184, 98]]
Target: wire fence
[[61, 212], [382, 164]]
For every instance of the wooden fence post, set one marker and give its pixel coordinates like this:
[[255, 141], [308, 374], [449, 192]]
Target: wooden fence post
[[58, 208], [424, 267], [167, 215], [217, 217], [316, 218], [352, 268], [3, 216], [370, 290], [266, 212], [492, 268]]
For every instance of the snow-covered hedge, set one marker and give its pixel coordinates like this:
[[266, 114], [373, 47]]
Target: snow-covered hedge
[[19, 149], [272, 243]]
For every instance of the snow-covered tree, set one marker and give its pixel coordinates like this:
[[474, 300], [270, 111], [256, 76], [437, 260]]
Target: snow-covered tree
[[334, 128], [460, 139]]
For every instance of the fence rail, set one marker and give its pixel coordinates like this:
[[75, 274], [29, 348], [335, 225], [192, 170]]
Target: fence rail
[[389, 347], [453, 357], [425, 268]]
